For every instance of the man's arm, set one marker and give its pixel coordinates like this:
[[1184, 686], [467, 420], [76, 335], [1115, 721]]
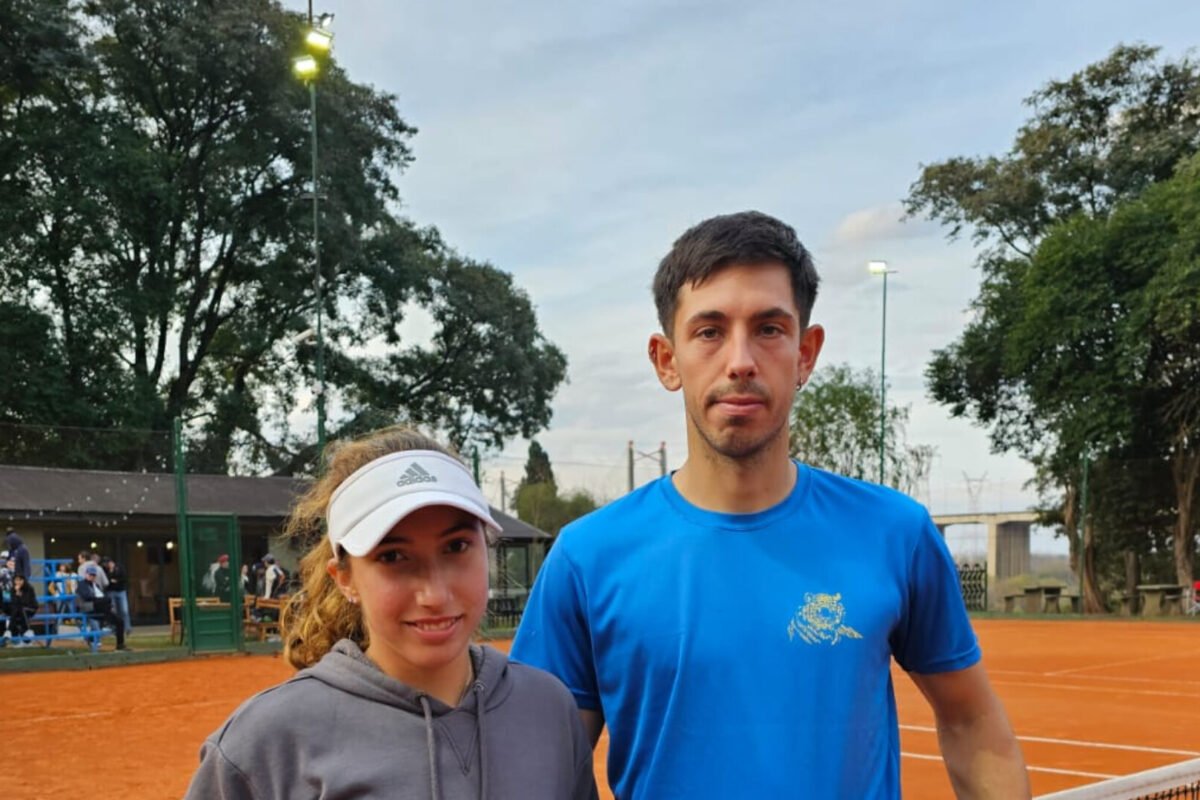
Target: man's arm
[[593, 723], [978, 745]]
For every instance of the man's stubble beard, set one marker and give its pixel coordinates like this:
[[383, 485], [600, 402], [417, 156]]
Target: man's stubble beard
[[738, 449]]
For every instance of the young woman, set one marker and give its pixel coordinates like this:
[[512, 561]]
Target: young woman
[[22, 607], [392, 699]]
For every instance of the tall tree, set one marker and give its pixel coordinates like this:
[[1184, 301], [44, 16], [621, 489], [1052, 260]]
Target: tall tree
[[537, 500], [537, 466], [154, 175], [835, 426], [1069, 350]]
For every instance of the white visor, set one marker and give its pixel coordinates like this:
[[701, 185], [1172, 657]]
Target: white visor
[[377, 496]]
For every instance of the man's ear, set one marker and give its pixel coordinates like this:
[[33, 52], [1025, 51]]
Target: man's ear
[[662, 357], [810, 347]]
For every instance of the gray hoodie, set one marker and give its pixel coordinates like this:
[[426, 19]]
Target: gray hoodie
[[343, 729]]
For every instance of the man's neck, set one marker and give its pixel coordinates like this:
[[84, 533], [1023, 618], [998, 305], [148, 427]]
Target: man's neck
[[714, 482]]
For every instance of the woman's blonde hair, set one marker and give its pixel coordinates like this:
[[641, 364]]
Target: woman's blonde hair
[[319, 615]]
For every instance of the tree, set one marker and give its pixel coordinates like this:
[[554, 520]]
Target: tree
[[537, 500], [1068, 352], [835, 426], [153, 164], [537, 466]]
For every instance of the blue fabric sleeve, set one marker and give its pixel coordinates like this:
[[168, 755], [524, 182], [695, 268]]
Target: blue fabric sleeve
[[934, 633], [554, 634]]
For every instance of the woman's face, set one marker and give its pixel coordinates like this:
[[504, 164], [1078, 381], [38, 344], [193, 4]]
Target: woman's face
[[423, 591]]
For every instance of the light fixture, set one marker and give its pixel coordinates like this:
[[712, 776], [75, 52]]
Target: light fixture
[[306, 67], [318, 40], [877, 267], [140, 543], [170, 545]]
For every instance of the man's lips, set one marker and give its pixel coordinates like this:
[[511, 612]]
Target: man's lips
[[739, 404]]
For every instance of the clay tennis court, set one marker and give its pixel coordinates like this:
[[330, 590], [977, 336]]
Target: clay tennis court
[[1088, 699]]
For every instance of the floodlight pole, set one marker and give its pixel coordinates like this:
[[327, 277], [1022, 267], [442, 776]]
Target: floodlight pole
[[882, 384], [881, 268], [312, 93]]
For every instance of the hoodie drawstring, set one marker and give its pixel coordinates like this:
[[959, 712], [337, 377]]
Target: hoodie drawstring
[[433, 782], [479, 711]]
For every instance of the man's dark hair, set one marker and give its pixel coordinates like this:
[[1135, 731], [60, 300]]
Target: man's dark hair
[[748, 237]]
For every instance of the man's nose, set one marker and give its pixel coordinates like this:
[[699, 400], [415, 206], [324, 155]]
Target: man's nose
[[742, 365]]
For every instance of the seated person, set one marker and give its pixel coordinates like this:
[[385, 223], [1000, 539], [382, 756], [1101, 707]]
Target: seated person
[[94, 603], [21, 608]]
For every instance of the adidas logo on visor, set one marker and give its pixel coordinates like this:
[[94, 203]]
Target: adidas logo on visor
[[415, 474]]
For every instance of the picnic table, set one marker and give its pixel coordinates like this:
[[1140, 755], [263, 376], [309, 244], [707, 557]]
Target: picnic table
[[1042, 598], [1159, 598]]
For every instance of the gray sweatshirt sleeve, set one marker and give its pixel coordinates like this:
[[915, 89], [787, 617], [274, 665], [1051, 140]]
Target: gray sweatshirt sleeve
[[218, 777], [585, 773]]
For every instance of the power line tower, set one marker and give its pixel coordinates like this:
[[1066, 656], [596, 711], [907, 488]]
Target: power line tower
[[659, 455], [974, 491]]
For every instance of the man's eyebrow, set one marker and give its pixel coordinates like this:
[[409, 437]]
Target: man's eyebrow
[[772, 313], [707, 316]]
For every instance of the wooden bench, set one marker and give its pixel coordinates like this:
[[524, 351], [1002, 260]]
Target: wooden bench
[[1010, 601], [261, 615], [175, 613]]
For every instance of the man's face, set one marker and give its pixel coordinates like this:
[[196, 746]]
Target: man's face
[[738, 352], [91, 577]]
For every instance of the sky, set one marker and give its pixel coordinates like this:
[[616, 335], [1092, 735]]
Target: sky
[[570, 144]]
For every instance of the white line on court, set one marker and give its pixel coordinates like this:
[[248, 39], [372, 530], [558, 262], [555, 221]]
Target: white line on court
[[1077, 743], [1031, 769], [1105, 689], [1096, 677], [1143, 660], [117, 712]]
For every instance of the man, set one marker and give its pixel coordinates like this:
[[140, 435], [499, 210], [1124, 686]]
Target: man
[[93, 602], [18, 552], [87, 558], [734, 623], [222, 585], [118, 591], [274, 577]]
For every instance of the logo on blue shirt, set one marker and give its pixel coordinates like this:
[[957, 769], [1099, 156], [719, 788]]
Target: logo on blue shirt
[[820, 620]]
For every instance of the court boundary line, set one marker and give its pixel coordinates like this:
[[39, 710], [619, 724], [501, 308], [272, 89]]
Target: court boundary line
[[1073, 772], [1079, 743], [1106, 689], [1188, 681]]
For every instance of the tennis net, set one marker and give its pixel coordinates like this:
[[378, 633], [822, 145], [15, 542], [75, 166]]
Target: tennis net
[[1175, 782]]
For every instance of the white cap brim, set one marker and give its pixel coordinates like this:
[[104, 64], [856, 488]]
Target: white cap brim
[[373, 500]]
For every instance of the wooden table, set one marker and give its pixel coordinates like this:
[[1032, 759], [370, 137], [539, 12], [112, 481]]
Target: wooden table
[[1154, 595]]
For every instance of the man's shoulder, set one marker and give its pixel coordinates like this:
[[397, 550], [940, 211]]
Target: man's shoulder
[[864, 496]]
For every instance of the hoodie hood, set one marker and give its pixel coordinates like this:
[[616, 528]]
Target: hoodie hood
[[347, 668], [13, 541]]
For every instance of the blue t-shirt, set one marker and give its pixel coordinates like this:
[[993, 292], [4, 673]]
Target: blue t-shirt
[[748, 655]]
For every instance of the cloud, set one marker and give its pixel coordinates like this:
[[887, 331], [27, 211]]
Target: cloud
[[878, 224]]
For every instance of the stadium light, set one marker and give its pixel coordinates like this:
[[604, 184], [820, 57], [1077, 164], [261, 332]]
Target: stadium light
[[881, 268], [318, 41], [306, 67]]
